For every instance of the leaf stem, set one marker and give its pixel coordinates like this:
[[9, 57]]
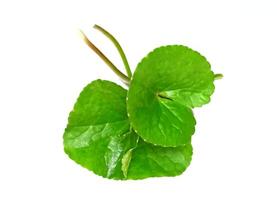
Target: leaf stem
[[105, 59], [118, 47], [218, 76]]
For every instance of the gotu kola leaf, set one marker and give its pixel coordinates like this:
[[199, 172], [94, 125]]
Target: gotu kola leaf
[[99, 137], [167, 83]]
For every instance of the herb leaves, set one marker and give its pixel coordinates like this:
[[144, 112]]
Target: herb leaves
[[99, 137], [145, 131]]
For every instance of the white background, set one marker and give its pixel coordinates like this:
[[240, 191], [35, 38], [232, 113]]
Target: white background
[[44, 65]]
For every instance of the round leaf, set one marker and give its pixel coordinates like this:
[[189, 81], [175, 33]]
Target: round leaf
[[154, 161], [98, 130], [165, 86]]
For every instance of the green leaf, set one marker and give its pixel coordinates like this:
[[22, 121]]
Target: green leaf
[[98, 137], [154, 161], [165, 86], [98, 132]]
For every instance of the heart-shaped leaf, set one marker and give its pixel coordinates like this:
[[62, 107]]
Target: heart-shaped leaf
[[98, 137], [165, 86]]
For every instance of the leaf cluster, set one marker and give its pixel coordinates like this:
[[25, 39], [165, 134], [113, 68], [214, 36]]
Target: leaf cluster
[[144, 131]]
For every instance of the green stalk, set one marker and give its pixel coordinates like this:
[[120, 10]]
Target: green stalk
[[118, 47], [105, 59], [218, 76]]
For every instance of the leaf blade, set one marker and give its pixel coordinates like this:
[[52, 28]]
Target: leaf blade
[[154, 161], [98, 130], [174, 77]]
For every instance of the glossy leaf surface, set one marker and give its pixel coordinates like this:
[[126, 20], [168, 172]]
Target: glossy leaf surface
[[167, 83]]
